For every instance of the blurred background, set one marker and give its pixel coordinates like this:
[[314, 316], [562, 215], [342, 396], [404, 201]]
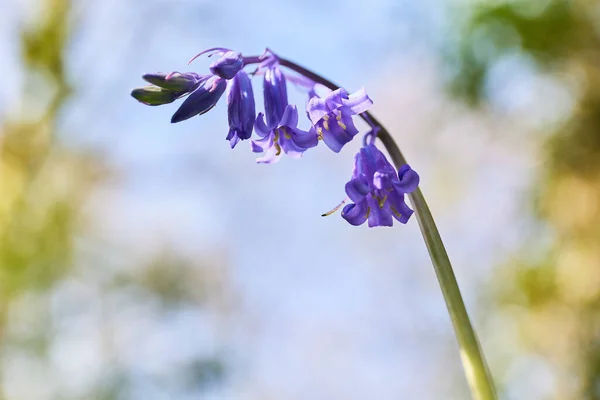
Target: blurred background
[[144, 260]]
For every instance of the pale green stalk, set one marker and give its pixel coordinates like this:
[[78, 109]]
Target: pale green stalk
[[476, 370]]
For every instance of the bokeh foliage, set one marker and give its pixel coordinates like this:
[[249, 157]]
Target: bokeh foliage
[[551, 289], [44, 186]]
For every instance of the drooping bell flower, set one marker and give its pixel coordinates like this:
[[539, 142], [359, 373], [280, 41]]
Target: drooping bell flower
[[285, 137], [241, 111], [332, 116], [377, 190], [278, 128]]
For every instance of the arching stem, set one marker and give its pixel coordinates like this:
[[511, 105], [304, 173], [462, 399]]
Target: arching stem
[[473, 360]]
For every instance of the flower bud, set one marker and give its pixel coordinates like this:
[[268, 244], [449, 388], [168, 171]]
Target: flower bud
[[202, 100], [241, 111], [275, 95], [227, 65], [175, 81], [154, 95]]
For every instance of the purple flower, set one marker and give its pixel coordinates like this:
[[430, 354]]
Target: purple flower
[[377, 191], [285, 136], [204, 98], [228, 65], [332, 116], [240, 108], [278, 127]]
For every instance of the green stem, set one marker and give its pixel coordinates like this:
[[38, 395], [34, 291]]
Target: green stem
[[476, 370]]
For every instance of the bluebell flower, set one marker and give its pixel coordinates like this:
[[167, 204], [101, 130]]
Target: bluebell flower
[[278, 128], [377, 190], [241, 111], [332, 116], [284, 137], [201, 100]]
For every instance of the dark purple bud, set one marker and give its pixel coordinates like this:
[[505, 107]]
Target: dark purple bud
[[241, 111], [175, 81], [153, 95], [275, 94], [201, 100], [227, 65]]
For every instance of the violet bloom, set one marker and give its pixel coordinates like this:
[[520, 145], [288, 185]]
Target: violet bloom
[[332, 116], [201, 100], [377, 191], [240, 108], [278, 128]]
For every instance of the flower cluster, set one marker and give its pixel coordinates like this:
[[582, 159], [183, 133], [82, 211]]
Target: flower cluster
[[375, 188]]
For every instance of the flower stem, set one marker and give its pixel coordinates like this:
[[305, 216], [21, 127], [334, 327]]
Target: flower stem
[[474, 364]]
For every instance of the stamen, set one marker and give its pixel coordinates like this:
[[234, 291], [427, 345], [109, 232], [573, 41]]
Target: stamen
[[276, 138], [382, 201], [368, 212], [342, 125], [326, 117], [278, 147], [320, 133], [326, 125], [395, 212], [328, 213], [285, 133], [338, 117]]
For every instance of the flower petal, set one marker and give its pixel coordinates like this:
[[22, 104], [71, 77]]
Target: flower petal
[[260, 127], [290, 116], [378, 216], [275, 95], [398, 207], [355, 214], [271, 156], [357, 189], [233, 137], [409, 179], [262, 144], [303, 139], [358, 102], [316, 109], [335, 138], [335, 99]]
